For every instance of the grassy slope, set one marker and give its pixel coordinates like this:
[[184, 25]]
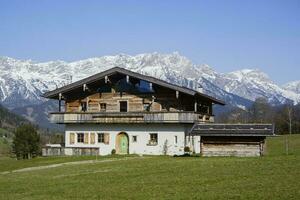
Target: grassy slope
[[275, 176], [4, 147]]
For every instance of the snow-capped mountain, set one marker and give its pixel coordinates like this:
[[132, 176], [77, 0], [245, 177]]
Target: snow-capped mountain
[[293, 86], [252, 84], [23, 81]]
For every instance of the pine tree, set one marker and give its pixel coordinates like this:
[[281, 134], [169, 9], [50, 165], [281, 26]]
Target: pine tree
[[26, 142]]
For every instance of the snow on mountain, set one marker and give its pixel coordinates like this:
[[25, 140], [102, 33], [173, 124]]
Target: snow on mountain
[[23, 81], [293, 86], [252, 84]]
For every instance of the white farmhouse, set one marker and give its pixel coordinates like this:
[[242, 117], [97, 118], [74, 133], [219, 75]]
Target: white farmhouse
[[129, 113]]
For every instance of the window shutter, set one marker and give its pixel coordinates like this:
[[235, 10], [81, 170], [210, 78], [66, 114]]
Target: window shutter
[[106, 138], [92, 138], [86, 138], [72, 138]]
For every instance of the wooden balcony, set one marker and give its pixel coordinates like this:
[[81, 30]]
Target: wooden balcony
[[129, 117]]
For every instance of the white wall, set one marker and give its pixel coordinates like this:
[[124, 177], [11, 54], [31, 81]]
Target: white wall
[[142, 131]]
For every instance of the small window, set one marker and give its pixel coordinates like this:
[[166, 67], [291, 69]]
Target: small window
[[123, 106], [83, 106], [146, 107], [100, 137], [153, 139], [102, 106], [134, 138], [80, 137], [175, 139]]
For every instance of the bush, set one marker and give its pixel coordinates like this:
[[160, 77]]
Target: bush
[[187, 149], [113, 152]]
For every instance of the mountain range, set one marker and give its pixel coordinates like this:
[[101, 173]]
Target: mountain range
[[23, 81]]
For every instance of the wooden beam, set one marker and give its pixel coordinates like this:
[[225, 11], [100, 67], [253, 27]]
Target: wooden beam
[[87, 103], [84, 87], [195, 106], [127, 79], [59, 102], [177, 94], [106, 79]]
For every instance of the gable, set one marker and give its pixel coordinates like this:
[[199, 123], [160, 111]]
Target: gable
[[112, 76]]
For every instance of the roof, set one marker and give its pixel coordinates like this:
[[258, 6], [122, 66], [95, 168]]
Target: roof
[[101, 75], [233, 130]]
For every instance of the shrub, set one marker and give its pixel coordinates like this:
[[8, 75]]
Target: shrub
[[187, 149], [113, 152]]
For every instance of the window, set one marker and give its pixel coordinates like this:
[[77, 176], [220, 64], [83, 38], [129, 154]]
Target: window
[[134, 138], [123, 106], [102, 106], [153, 139], [176, 139], [83, 106], [146, 107], [145, 87], [100, 137], [80, 137]]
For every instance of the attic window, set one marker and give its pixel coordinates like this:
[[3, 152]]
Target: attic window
[[123, 106], [102, 107], [145, 87], [83, 106], [146, 106]]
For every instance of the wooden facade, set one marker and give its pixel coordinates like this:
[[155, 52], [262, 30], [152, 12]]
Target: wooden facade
[[136, 103], [116, 97], [232, 146], [242, 140]]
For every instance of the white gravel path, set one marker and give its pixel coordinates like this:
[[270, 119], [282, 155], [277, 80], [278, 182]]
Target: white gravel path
[[28, 169]]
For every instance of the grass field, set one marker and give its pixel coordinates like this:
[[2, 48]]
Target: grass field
[[274, 176]]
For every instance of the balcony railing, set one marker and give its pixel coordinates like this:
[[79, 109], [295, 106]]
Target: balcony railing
[[129, 117]]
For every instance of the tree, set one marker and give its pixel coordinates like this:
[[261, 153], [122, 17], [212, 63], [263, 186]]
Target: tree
[[26, 142], [261, 111]]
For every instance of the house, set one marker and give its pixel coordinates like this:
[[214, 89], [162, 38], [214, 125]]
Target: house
[[130, 113]]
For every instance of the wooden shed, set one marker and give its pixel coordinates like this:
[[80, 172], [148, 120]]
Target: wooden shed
[[243, 140]]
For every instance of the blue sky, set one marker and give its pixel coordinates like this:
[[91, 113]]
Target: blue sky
[[227, 35]]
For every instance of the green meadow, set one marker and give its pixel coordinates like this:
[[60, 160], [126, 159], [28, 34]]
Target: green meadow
[[274, 176]]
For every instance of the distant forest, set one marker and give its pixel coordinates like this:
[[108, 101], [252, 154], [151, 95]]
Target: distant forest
[[286, 118], [9, 120]]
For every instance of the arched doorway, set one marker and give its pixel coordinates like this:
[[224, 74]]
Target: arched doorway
[[122, 143]]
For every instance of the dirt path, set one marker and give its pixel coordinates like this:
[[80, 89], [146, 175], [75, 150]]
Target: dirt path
[[28, 169]]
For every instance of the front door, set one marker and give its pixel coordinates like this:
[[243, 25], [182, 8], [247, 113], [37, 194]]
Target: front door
[[123, 143]]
